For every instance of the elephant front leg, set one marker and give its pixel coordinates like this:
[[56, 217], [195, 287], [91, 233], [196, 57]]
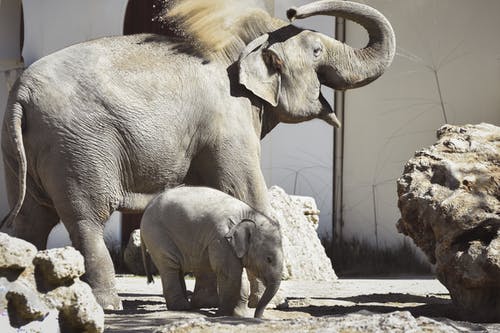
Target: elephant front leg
[[233, 294], [232, 285], [88, 238]]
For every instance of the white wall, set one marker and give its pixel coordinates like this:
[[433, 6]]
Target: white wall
[[388, 120], [51, 25], [299, 157], [10, 63]]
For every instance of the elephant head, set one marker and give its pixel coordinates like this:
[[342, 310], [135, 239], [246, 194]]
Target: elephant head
[[287, 66], [257, 242]]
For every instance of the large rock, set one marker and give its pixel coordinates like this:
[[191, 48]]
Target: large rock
[[58, 267], [24, 304], [132, 255], [16, 256], [78, 308], [50, 297], [305, 257], [449, 197]]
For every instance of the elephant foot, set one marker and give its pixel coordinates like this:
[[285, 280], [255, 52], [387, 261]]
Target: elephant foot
[[108, 300], [204, 299], [278, 301], [241, 311], [179, 305]]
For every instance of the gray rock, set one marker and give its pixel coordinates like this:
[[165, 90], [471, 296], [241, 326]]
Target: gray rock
[[58, 267], [360, 322], [78, 308], [58, 301], [16, 256], [132, 255], [50, 323], [4, 288], [24, 304], [305, 257], [449, 198]]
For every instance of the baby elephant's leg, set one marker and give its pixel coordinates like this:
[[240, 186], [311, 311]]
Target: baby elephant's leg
[[230, 295], [174, 289], [205, 290], [241, 309]]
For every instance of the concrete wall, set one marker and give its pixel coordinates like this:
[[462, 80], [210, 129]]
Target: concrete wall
[[447, 66], [10, 63]]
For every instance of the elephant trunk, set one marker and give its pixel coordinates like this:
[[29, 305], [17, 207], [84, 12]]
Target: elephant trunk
[[345, 67], [267, 296]]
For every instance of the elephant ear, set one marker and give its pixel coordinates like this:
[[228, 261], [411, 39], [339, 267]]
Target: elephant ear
[[239, 236], [260, 70]]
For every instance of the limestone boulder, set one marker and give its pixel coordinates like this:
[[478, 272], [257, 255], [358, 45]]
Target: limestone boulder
[[305, 257], [78, 308], [58, 267], [132, 255], [16, 256], [24, 304], [48, 296], [449, 198]]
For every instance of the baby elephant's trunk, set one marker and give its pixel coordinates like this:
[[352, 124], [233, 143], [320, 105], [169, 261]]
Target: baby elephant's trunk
[[269, 293]]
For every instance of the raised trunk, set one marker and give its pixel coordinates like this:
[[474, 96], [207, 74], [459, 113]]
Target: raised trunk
[[345, 67], [267, 296]]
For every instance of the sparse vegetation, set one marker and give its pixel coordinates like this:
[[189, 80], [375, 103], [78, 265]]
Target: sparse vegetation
[[355, 258]]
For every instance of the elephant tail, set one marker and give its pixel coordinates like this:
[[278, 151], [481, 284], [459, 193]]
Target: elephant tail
[[14, 128], [146, 261]]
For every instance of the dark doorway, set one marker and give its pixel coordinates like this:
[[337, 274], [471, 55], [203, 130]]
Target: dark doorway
[[141, 16]]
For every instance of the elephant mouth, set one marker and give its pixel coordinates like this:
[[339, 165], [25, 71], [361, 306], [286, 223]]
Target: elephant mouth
[[327, 114]]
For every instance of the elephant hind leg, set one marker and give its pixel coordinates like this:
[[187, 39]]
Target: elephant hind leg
[[35, 222], [87, 236], [174, 289]]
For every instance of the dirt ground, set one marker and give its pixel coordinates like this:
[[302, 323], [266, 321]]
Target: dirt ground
[[145, 310]]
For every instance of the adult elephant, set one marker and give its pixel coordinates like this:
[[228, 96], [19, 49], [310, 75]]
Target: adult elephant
[[105, 125]]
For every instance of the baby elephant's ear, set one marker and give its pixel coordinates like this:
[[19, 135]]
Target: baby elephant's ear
[[239, 237]]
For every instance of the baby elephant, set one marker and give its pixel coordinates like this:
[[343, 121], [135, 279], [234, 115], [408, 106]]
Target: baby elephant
[[200, 230]]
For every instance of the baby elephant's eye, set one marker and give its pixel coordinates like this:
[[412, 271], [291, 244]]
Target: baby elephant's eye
[[269, 260]]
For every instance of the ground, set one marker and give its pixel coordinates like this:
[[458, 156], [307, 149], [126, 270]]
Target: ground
[[308, 302]]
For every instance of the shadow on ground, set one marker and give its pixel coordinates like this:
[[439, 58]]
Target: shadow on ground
[[144, 312], [428, 306]]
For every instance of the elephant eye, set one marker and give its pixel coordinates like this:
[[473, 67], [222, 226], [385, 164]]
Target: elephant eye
[[317, 50], [269, 260]]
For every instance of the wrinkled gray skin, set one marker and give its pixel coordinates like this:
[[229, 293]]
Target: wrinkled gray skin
[[204, 231], [105, 125]]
